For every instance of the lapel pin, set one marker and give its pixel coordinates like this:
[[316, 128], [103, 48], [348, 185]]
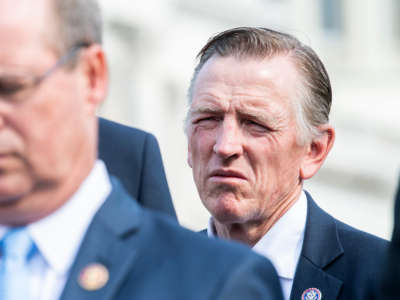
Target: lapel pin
[[311, 294], [93, 277]]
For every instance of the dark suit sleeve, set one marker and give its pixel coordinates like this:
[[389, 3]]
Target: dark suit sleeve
[[133, 156], [254, 279], [153, 189]]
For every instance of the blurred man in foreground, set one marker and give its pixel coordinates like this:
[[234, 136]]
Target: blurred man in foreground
[[67, 230], [258, 126]]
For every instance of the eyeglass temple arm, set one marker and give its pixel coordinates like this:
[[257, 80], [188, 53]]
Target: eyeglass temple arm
[[63, 60]]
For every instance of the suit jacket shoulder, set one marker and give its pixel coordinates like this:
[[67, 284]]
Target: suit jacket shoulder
[[134, 157], [148, 256], [339, 260]]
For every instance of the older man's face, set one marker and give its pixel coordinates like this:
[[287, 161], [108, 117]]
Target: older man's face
[[242, 137], [43, 128]]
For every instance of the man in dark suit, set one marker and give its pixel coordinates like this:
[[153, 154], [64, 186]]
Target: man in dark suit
[[67, 230], [134, 157], [390, 288], [257, 127], [150, 258]]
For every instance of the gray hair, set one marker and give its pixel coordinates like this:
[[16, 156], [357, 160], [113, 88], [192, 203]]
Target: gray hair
[[315, 91], [77, 22]]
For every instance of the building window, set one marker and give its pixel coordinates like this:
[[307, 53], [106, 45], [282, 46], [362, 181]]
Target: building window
[[332, 15], [396, 18]]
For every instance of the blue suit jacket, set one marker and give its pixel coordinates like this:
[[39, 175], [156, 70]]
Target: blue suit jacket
[[149, 257], [133, 156], [341, 261]]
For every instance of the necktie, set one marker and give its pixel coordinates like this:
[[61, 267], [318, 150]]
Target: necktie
[[16, 247]]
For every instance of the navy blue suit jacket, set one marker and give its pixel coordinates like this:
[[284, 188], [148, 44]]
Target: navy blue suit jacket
[[133, 156], [150, 257], [342, 262]]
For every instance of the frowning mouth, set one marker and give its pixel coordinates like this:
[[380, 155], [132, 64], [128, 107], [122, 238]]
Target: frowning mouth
[[8, 160], [4, 155], [7, 154], [226, 174]]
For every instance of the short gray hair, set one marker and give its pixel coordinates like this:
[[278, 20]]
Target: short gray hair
[[77, 22], [316, 91]]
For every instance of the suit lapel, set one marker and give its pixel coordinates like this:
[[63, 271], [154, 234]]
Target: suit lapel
[[106, 243], [310, 276], [204, 232], [320, 248]]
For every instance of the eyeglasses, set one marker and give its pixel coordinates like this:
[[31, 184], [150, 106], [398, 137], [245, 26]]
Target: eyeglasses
[[14, 88]]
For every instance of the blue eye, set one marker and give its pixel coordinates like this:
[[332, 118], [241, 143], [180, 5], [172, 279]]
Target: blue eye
[[207, 123], [207, 119], [255, 126]]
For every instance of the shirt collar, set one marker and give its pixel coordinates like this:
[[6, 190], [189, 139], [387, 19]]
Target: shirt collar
[[3, 230], [284, 252], [59, 235]]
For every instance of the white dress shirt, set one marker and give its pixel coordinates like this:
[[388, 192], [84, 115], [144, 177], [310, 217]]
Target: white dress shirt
[[283, 242], [59, 235]]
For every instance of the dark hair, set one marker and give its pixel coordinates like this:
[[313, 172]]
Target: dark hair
[[316, 94]]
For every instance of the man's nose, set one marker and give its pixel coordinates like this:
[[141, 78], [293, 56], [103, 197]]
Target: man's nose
[[228, 143]]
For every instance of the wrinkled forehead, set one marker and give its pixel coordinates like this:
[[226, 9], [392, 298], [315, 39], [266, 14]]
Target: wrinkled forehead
[[24, 29], [246, 83], [25, 11], [25, 18]]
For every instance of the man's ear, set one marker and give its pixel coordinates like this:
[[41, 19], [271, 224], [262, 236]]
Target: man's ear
[[317, 151], [95, 71]]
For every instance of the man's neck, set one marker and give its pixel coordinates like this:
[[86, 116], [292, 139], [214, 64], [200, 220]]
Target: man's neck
[[252, 231]]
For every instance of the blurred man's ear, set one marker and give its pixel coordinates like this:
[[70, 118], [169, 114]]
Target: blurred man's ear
[[95, 71], [317, 151]]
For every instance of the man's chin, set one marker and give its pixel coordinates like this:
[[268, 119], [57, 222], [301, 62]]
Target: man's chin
[[9, 199], [225, 205], [227, 214], [12, 190]]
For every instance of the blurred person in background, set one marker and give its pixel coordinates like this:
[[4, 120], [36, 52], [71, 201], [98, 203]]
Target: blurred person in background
[[257, 127], [133, 156], [67, 229]]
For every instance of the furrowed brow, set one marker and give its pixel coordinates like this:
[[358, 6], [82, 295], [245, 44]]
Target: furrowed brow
[[256, 114], [205, 109]]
